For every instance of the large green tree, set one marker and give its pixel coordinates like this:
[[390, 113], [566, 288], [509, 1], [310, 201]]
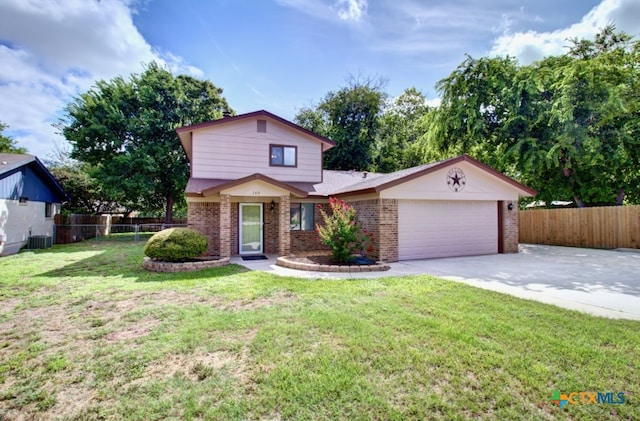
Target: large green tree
[[7, 143], [350, 117], [399, 129], [567, 125], [125, 129]]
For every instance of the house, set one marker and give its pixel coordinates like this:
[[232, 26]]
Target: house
[[29, 198], [256, 180]]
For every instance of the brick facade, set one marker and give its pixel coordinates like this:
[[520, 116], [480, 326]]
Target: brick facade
[[284, 238], [205, 218], [235, 228], [388, 230], [380, 217], [509, 226], [271, 228], [225, 225], [309, 240]]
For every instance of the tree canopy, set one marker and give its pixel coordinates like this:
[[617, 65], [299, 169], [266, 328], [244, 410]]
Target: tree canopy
[[8, 144], [401, 125], [125, 130], [568, 126], [350, 117]]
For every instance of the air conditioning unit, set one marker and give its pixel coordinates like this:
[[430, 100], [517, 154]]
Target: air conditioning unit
[[39, 242]]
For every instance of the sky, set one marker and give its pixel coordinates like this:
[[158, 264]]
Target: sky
[[277, 55]]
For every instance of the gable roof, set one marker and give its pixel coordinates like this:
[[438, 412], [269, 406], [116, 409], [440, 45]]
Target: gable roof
[[10, 162], [206, 187], [377, 184], [184, 133], [343, 183]]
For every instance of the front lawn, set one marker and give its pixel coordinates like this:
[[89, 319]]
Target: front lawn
[[85, 333]]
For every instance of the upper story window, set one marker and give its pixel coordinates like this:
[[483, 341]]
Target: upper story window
[[283, 156]]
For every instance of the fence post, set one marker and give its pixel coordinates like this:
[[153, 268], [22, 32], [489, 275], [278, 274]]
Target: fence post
[[135, 237], [96, 233]]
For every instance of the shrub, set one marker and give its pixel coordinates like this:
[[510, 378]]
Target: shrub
[[176, 245], [340, 231]]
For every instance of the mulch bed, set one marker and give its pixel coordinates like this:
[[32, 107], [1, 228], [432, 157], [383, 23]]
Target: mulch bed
[[320, 260]]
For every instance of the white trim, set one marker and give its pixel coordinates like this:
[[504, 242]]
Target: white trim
[[261, 245]]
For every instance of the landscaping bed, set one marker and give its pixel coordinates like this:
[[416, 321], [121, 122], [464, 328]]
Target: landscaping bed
[[321, 262]]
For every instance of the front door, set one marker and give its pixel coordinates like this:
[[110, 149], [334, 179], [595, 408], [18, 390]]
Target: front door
[[250, 228]]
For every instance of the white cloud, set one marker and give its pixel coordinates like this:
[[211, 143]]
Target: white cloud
[[52, 50], [532, 46], [351, 10], [412, 27]]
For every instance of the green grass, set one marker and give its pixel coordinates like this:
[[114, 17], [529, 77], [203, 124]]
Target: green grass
[[85, 334]]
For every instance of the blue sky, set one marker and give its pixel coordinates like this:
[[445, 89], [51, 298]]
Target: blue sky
[[278, 55]]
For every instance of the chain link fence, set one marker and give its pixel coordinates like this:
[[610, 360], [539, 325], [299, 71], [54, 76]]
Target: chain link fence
[[73, 233]]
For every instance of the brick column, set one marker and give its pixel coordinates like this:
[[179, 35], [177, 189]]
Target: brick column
[[204, 217], [388, 231], [509, 226], [225, 225], [284, 226]]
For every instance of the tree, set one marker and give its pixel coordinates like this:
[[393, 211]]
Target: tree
[[399, 129], [567, 126], [475, 109], [7, 144], [350, 117], [125, 129], [85, 195]]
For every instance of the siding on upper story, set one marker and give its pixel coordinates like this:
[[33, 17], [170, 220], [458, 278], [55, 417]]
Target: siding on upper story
[[235, 150]]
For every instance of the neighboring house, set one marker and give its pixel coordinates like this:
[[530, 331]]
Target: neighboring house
[[257, 179], [29, 199]]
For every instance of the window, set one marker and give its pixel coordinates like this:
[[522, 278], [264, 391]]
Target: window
[[302, 217], [48, 210], [283, 156]]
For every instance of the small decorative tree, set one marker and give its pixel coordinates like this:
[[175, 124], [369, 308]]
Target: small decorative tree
[[340, 231]]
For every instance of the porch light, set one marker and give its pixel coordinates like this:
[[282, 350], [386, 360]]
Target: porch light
[[272, 206], [510, 206]]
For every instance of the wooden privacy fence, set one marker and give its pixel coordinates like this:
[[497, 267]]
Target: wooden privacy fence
[[603, 227]]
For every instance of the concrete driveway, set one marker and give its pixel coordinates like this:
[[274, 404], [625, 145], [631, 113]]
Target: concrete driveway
[[600, 282]]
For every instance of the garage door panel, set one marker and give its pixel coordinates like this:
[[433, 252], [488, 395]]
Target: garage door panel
[[430, 229]]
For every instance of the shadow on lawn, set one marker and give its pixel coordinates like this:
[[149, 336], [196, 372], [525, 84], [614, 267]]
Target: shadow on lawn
[[117, 260]]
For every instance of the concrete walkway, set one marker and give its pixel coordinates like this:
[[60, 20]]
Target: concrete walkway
[[600, 282]]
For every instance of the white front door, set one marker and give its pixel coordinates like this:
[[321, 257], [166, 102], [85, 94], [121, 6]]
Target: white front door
[[250, 228]]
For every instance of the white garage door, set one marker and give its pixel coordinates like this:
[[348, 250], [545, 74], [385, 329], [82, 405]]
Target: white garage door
[[431, 228]]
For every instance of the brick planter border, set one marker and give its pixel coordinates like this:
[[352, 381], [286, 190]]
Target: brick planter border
[[315, 267], [159, 266]]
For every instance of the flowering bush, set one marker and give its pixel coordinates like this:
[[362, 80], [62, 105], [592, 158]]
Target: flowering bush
[[341, 233]]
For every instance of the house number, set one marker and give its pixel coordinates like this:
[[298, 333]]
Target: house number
[[256, 193]]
